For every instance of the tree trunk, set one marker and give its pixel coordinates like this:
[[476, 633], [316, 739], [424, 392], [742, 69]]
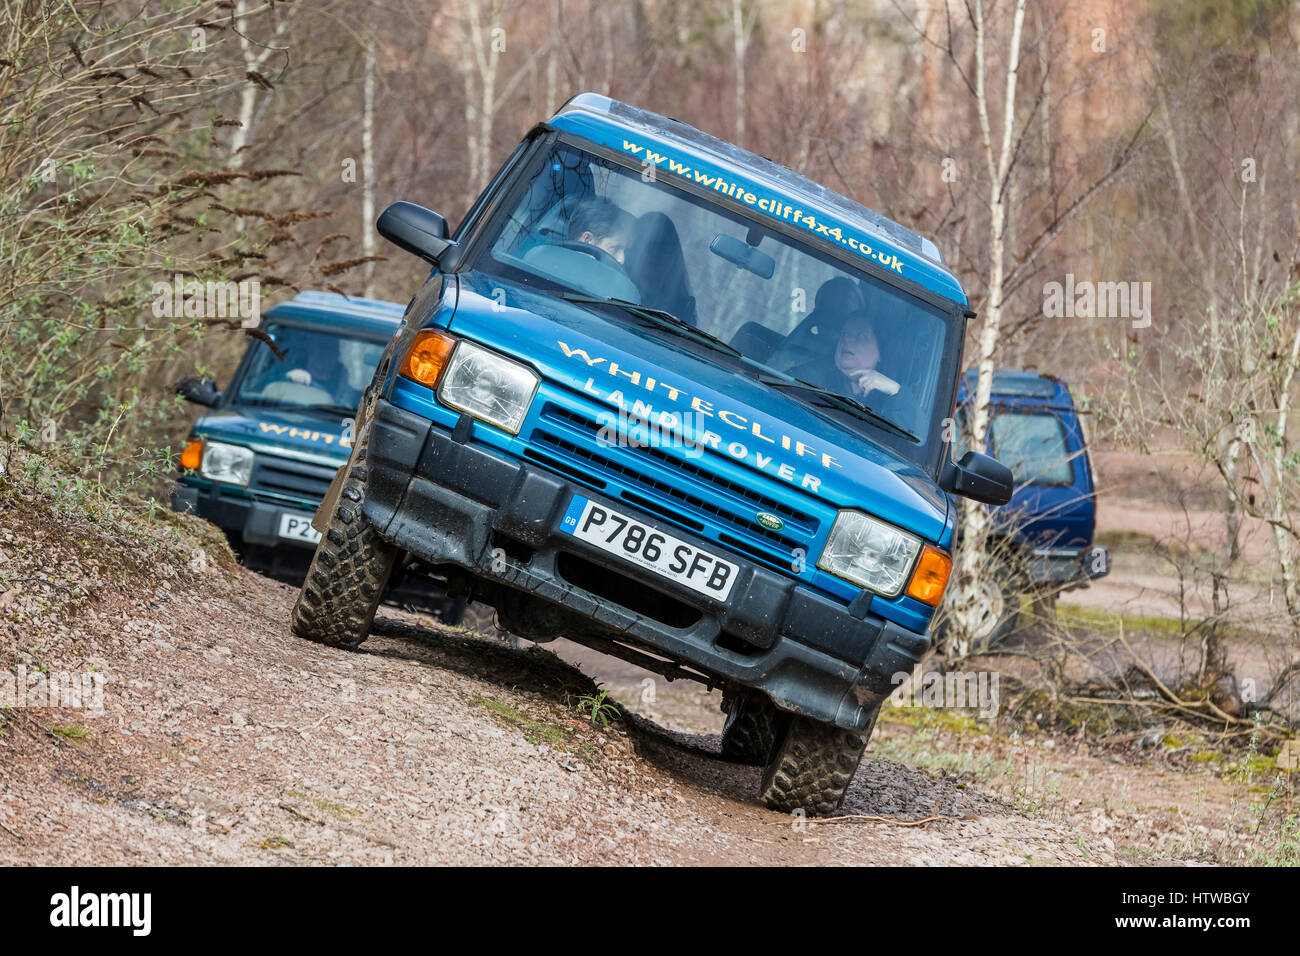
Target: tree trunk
[[971, 563], [368, 168]]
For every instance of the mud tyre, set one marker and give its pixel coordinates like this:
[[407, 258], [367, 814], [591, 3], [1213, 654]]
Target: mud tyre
[[349, 571], [812, 766]]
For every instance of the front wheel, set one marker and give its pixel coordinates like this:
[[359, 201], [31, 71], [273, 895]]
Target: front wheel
[[348, 572], [813, 765]]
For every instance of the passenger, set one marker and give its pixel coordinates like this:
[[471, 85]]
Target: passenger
[[852, 371], [600, 223]]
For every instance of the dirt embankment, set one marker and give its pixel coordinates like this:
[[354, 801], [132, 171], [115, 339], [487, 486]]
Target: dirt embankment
[[225, 739]]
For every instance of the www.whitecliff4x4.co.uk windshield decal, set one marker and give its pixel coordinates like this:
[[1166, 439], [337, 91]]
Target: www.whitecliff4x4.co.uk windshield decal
[[775, 206]]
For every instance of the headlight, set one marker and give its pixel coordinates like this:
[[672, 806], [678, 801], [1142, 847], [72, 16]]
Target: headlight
[[870, 553], [232, 464], [488, 386]]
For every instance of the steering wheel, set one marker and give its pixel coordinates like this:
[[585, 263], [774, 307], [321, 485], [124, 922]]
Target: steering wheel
[[588, 249]]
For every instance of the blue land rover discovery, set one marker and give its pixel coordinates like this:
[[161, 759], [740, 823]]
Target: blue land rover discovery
[[258, 462], [666, 398]]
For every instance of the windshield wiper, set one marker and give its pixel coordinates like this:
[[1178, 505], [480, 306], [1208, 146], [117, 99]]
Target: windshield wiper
[[659, 317], [828, 399]]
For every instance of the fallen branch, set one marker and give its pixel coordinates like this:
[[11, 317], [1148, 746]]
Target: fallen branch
[[1192, 707], [867, 818]]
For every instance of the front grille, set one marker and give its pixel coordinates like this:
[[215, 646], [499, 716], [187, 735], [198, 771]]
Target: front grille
[[681, 501], [290, 478]]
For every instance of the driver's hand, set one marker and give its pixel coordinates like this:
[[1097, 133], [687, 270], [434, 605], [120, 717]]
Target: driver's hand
[[869, 380], [299, 375]]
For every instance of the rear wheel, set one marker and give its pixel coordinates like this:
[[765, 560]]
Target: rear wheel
[[348, 572], [750, 733], [812, 766], [452, 611], [996, 609]]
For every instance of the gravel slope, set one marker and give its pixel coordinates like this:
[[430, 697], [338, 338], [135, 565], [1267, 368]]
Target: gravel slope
[[225, 739]]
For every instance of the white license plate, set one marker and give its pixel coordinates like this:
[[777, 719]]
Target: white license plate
[[298, 528], [650, 548]]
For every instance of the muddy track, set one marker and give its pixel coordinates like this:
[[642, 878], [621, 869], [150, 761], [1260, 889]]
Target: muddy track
[[225, 739]]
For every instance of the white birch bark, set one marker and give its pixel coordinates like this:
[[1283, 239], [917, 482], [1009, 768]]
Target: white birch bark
[[368, 167], [974, 516]]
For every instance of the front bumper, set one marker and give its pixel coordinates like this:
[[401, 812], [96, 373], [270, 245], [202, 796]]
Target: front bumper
[[451, 502], [255, 522]]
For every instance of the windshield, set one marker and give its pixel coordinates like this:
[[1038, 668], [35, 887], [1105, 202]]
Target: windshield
[[587, 225], [320, 371], [1032, 444]]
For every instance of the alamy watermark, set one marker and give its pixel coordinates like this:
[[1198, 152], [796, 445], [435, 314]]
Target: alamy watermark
[[662, 430], [78, 690], [1085, 299], [973, 690], [131, 911]]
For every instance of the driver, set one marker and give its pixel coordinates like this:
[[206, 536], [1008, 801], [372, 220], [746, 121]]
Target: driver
[[600, 223], [320, 368], [851, 370]]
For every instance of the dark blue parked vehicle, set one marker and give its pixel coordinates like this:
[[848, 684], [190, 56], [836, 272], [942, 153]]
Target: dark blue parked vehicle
[[1043, 537], [666, 398]]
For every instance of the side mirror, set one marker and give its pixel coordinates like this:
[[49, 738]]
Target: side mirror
[[200, 391], [979, 478], [419, 231]]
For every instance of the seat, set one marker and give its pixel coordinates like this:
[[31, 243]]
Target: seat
[[815, 336], [756, 341], [655, 262], [294, 393]]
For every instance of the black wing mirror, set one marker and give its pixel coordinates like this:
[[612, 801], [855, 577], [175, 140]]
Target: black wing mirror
[[200, 391], [419, 231], [979, 478]]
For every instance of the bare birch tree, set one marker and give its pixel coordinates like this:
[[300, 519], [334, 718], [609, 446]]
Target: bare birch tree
[[997, 157], [368, 172], [255, 56]]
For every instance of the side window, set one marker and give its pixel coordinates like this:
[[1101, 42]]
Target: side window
[[1033, 446], [491, 190]]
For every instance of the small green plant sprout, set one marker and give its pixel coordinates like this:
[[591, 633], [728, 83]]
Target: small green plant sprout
[[598, 708]]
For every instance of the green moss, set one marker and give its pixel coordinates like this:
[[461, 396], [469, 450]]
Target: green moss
[[1259, 763], [340, 810], [1126, 540], [1206, 756], [1076, 716], [534, 731], [934, 718], [1106, 622]]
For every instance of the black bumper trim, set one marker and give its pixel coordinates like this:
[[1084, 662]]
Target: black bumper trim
[[256, 522]]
